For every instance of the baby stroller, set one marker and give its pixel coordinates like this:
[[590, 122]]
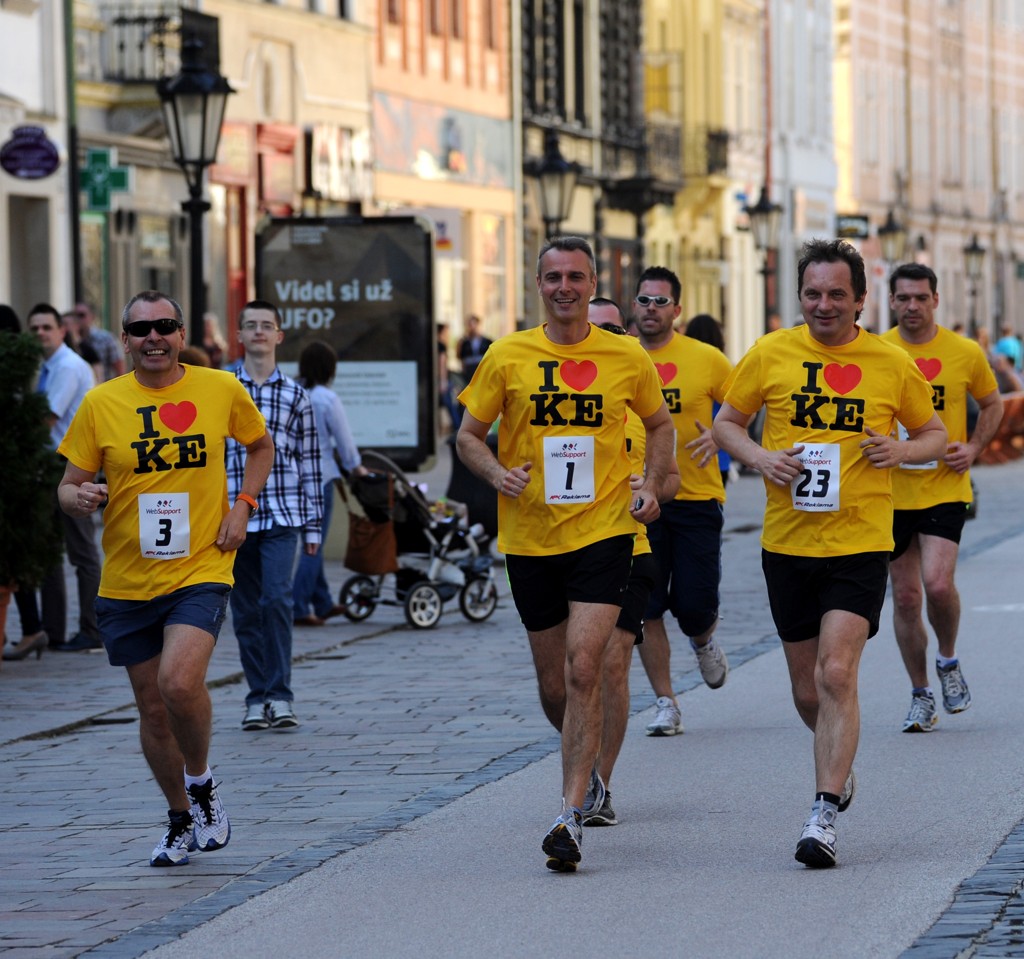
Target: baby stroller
[[428, 550]]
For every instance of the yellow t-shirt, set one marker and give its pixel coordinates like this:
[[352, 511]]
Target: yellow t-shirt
[[563, 409], [636, 452], [163, 455], [693, 376], [824, 398], [955, 366]]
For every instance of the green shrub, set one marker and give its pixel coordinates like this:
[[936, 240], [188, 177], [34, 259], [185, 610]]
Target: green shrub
[[31, 543]]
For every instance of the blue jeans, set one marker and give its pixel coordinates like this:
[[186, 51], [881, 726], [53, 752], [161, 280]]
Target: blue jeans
[[310, 588], [261, 610]]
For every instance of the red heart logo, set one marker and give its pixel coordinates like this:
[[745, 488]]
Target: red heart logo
[[842, 378], [178, 416], [666, 372], [579, 375], [930, 367]]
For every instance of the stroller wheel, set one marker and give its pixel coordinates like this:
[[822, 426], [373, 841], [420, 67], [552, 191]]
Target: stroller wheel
[[478, 599], [423, 605], [359, 597]]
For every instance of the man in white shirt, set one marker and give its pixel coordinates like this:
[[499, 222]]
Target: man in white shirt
[[65, 378]]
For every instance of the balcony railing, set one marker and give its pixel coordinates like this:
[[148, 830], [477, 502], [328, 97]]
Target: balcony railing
[[141, 42]]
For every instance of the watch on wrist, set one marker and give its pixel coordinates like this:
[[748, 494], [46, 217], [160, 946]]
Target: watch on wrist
[[249, 501]]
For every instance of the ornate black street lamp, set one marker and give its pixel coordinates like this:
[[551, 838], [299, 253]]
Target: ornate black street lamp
[[974, 261], [892, 236], [193, 102], [765, 222], [557, 180]]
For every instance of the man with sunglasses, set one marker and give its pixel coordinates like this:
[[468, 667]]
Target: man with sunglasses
[[686, 540], [170, 536]]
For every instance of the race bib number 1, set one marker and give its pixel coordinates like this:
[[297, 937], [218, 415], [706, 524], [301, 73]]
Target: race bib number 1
[[568, 470], [164, 526], [816, 489]]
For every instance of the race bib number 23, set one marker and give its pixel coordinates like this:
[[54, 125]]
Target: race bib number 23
[[164, 526], [816, 489]]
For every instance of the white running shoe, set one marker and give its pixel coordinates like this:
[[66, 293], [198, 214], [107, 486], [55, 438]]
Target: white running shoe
[[817, 845], [177, 842], [714, 667], [956, 697], [213, 830], [563, 844], [668, 721], [922, 716]]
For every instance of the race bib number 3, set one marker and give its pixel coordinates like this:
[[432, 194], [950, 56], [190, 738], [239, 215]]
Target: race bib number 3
[[816, 489], [164, 526], [568, 470]]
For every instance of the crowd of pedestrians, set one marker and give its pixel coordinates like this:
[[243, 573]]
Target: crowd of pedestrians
[[611, 468]]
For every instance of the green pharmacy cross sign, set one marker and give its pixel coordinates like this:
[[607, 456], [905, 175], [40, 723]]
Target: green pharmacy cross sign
[[101, 176]]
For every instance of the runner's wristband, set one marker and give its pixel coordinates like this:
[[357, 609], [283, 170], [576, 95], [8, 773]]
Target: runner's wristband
[[249, 501]]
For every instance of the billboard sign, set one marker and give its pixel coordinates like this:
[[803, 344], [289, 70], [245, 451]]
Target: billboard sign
[[365, 286]]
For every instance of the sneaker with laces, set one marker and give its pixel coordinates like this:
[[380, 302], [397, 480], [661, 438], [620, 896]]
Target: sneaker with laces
[[212, 828], [178, 841], [714, 666], [603, 815], [956, 697], [594, 799], [255, 717], [563, 845], [849, 790], [817, 845], [281, 715], [668, 721], [922, 716]]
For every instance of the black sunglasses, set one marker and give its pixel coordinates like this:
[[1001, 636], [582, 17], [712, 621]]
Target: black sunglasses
[[142, 328], [644, 300]]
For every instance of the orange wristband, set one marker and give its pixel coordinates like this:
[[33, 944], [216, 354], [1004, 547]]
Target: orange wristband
[[249, 501]]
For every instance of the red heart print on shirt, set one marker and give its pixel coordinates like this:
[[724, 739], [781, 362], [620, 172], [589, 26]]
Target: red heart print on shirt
[[178, 416], [578, 375], [666, 372], [842, 378], [931, 367]]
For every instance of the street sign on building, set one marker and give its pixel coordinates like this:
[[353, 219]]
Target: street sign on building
[[852, 226], [365, 286], [29, 154]]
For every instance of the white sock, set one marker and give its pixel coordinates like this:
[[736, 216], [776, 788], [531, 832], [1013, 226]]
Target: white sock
[[198, 780], [945, 663]]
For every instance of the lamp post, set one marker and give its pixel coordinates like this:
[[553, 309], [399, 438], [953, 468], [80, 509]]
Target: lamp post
[[765, 221], [193, 102], [974, 260], [892, 237], [557, 180]]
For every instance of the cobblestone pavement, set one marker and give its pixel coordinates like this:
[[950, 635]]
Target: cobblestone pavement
[[396, 722]]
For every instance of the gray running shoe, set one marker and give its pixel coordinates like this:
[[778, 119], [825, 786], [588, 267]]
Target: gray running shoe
[[922, 716], [714, 667], [596, 792], [177, 842], [668, 721], [817, 845], [603, 815], [956, 697], [281, 715], [563, 844], [849, 789], [255, 717]]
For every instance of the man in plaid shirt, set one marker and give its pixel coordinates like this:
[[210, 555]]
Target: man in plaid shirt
[[292, 505]]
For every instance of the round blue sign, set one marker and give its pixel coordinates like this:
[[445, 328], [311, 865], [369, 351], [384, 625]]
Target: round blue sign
[[29, 154]]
